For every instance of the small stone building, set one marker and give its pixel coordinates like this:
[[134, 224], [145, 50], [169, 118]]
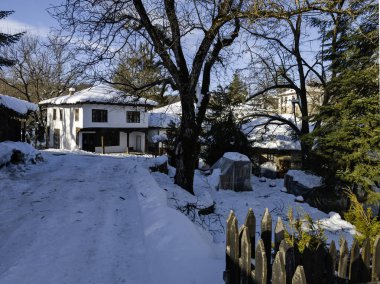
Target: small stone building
[[235, 172]]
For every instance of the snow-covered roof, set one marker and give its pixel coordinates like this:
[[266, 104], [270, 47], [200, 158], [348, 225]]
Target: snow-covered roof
[[162, 120], [20, 106], [174, 108], [99, 94], [270, 136], [235, 156]]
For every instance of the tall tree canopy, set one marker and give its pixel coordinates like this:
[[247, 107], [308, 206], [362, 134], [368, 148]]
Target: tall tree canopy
[[348, 141], [6, 40], [142, 74], [189, 37]]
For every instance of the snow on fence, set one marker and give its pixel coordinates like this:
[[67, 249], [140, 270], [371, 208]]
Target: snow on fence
[[245, 264]]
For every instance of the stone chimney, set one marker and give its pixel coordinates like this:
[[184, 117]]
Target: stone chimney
[[71, 91]]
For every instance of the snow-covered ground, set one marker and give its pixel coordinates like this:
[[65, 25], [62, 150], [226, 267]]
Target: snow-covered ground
[[78, 217]]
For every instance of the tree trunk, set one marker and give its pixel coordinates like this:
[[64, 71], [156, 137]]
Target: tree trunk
[[186, 148]]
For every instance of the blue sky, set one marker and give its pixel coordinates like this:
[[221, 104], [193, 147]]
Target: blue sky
[[28, 14]]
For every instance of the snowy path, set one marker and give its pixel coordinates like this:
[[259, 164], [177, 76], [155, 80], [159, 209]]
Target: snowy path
[[71, 219], [86, 218]]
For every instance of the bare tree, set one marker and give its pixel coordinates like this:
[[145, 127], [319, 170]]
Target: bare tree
[[286, 56], [42, 69], [188, 36]]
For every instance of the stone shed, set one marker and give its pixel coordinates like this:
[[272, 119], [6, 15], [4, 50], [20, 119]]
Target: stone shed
[[235, 172]]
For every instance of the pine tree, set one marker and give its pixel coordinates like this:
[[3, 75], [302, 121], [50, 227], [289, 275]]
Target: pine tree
[[224, 134], [348, 142], [7, 39], [139, 74]]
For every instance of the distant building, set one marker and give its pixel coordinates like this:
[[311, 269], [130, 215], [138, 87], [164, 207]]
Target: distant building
[[13, 115], [275, 146], [285, 99], [99, 118]]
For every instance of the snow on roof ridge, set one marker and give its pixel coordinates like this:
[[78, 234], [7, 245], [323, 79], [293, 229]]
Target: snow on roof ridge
[[17, 105], [99, 93], [235, 156]]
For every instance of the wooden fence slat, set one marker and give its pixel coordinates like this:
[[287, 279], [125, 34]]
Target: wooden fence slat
[[330, 263], [250, 223], [240, 237], [266, 236], [299, 276], [282, 248], [245, 249], [278, 269], [319, 267], [376, 260], [343, 261], [290, 263], [279, 233], [365, 274], [232, 252], [308, 263], [353, 275], [260, 264], [228, 239]]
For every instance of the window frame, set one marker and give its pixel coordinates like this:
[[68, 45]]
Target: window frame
[[132, 117], [99, 115], [76, 114]]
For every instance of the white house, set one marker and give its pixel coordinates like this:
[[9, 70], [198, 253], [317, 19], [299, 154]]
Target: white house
[[98, 116]]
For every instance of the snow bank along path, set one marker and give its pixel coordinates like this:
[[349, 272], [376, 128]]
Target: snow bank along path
[[79, 218]]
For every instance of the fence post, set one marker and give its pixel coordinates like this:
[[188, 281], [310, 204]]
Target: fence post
[[330, 263], [232, 250], [250, 223], [308, 263], [279, 233], [319, 268], [266, 236], [376, 260], [353, 275], [282, 248], [278, 269], [299, 276], [245, 248], [343, 261], [365, 275], [261, 264], [290, 262]]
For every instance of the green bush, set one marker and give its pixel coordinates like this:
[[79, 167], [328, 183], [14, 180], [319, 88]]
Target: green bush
[[304, 232], [367, 226]]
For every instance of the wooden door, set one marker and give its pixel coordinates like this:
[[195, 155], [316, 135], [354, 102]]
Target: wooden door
[[57, 139], [88, 142]]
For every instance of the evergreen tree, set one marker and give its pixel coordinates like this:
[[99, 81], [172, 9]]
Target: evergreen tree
[[224, 134], [139, 74], [348, 141], [7, 39]]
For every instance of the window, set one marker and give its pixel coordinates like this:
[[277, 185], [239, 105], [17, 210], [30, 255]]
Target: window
[[133, 117], [54, 114], [99, 115], [76, 114], [60, 114]]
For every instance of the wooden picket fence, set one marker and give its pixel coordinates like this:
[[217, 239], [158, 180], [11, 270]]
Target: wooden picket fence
[[246, 264]]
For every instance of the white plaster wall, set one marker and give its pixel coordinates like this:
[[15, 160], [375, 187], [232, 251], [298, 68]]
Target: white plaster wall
[[117, 116], [67, 126]]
